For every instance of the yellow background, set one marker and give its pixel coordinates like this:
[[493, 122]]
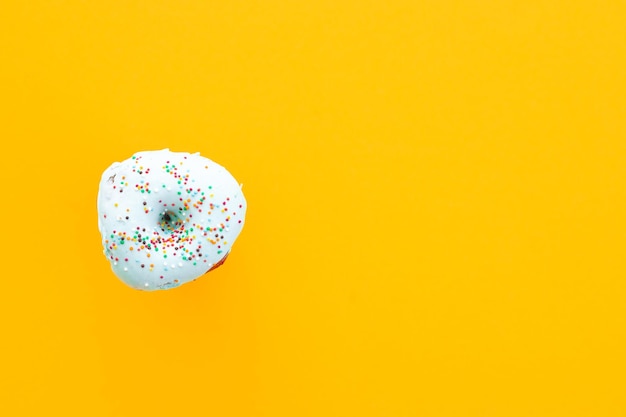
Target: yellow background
[[436, 220]]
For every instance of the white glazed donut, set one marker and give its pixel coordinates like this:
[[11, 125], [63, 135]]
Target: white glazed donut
[[166, 218]]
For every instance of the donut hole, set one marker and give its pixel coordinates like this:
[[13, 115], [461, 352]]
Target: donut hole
[[169, 222]]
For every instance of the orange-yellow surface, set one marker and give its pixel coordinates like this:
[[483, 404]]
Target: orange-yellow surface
[[437, 202]]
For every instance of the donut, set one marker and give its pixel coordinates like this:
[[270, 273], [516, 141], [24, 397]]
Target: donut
[[167, 218]]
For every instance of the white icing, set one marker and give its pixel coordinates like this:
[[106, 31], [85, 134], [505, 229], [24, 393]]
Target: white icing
[[179, 212]]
